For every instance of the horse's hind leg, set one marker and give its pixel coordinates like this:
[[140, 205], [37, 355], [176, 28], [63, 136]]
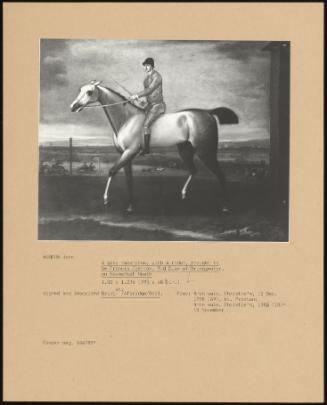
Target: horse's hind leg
[[210, 160], [186, 152]]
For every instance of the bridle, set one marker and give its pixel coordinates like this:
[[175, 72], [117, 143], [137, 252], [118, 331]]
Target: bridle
[[106, 105]]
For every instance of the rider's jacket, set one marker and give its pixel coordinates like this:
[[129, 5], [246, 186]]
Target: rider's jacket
[[152, 88]]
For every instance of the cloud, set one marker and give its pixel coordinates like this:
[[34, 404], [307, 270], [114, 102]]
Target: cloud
[[53, 70], [51, 46], [202, 74], [241, 51]]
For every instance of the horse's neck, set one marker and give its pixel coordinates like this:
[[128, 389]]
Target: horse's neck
[[116, 114]]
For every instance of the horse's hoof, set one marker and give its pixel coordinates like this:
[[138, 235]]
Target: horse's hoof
[[183, 196], [105, 201], [129, 210], [225, 209]]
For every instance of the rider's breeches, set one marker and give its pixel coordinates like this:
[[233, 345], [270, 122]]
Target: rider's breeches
[[151, 114]]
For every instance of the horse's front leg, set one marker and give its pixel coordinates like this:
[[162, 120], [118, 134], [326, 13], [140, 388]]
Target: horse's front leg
[[129, 182], [124, 159], [105, 195]]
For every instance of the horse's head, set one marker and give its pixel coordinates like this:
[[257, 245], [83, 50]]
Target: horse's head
[[89, 93]]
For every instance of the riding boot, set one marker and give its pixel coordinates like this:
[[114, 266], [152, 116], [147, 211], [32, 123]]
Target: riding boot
[[146, 148]]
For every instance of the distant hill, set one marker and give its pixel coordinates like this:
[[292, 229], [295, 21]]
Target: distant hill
[[252, 143], [101, 149]]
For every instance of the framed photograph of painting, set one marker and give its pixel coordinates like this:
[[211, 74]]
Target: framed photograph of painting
[[163, 202]]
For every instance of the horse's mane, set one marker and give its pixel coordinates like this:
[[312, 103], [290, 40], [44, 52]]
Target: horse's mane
[[115, 92], [123, 97]]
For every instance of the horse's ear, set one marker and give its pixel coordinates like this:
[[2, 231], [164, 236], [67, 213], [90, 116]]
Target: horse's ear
[[95, 82]]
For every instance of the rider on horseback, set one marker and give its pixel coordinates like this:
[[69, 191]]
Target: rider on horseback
[[155, 104]]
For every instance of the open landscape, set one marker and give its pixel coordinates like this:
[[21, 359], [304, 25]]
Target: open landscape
[[71, 205]]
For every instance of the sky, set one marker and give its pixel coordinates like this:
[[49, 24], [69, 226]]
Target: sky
[[201, 74]]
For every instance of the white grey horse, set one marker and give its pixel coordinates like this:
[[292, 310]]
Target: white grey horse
[[193, 131]]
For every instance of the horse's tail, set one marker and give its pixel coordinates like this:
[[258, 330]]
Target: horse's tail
[[225, 115]]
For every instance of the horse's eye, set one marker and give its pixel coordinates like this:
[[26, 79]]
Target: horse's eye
[[89, 92]]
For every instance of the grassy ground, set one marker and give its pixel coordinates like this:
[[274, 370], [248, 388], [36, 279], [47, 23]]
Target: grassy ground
[[71, 208]]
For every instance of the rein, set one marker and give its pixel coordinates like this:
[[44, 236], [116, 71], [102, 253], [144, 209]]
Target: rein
[[106, 105]]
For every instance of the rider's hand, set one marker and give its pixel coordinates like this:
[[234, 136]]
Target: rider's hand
[[134, 97]]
